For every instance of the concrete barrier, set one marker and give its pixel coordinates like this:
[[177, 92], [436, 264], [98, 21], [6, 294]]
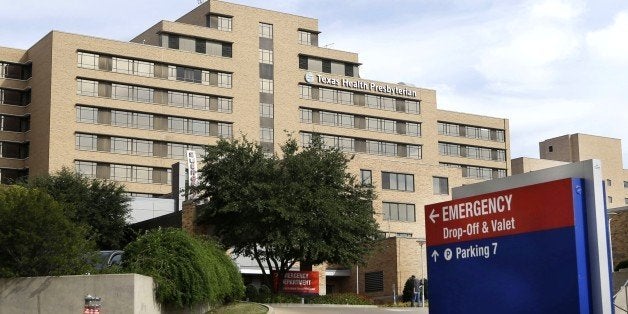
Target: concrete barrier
[[120, 293]]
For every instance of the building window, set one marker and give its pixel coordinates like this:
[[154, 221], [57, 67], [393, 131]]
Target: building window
[[265, 30], [225, 130], [550, 148], [398, 212], [266, 110], [306, 115], [142, 147], [305, 91], [86, 142], [224, 80], [219, 22], [120, 172], [610, 199], [626, 201], [85, 168], [265, 56], [609, 182], [440, 185], [412, 107], [397, 181], [87, 88], [308, 38], [374, 281], [266, 135], [88, 60], [366, 177], [225, 105], [86, 114], [414, 151], [625, 184], [266, 86], [413, 129]]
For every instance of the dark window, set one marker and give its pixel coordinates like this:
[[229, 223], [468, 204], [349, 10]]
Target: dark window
[[348, 69], [327, 66], [173, 41], [303, 62], [14, 150], [201, 46], [227, 50], [551, 149], [398, 212], [189, 75], [10, 176], [374, 281]]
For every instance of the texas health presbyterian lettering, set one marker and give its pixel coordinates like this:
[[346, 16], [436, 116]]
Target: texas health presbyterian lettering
[[361, 85]]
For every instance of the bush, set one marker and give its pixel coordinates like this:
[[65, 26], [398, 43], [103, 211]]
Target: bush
[[186, 270], [264, 294], [251, 292], [36, 237], [340, 298]]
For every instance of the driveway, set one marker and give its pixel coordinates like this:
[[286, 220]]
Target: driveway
[[349, 309]]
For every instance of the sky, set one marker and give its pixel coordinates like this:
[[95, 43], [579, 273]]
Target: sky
[[552, 67]]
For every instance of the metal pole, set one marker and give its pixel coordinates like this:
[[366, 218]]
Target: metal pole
[[357, 279], [422, 278]]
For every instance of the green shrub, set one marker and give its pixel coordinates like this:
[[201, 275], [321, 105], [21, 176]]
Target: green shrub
[[251, 292], [340, 298], [186, 270], [264, 294]]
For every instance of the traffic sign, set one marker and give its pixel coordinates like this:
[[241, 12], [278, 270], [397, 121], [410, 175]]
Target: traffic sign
[[521, 250]]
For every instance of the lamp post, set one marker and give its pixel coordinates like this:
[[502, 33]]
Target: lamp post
[[421, 241]]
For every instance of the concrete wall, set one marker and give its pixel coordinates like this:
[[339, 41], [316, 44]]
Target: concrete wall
[[120, 293]]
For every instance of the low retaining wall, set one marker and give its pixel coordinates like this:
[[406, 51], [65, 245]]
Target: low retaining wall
[[120, 293]]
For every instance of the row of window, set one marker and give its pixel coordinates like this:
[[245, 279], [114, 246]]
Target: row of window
[[14, 150], [10, 176], [358, 99], [328, 66], [359, 122], [199, 45], [15, 71], [440, 185], [473, 152], [125, 173], [398, 212], [266, 86], [468, 131], [15, 97], [151, 95], [476, 172], [149, 69], [14, 123], [133, 146], [137, 120], [355, 145]]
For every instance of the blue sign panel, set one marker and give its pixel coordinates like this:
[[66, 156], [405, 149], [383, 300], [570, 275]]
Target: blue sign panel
[[515, 251]]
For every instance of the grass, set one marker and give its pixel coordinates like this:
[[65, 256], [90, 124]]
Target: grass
[[240, 307]]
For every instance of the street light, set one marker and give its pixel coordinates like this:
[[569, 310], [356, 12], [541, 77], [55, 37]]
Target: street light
[[421, 241]]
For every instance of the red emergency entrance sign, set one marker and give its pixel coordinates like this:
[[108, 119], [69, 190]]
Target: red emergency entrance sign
[[298, 282], [521, 210]]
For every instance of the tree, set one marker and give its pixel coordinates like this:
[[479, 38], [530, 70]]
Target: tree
[[102, 205], [187, 270], [304, 207], [36, 237]]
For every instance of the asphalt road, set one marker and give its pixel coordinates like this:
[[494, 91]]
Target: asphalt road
[[316, 309]]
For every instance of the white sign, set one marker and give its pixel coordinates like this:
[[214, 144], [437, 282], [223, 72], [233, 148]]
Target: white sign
[[192, 168]]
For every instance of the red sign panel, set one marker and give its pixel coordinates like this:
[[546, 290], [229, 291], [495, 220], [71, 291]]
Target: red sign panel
[[527, 209], [298, 282]]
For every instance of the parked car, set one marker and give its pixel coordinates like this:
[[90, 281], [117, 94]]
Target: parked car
[[109, 258]]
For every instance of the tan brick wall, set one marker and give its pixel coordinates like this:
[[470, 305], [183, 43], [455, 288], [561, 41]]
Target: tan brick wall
[[619, 236]]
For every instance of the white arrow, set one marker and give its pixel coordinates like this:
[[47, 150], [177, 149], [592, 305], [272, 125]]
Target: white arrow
[[435, 255], [433, 215]]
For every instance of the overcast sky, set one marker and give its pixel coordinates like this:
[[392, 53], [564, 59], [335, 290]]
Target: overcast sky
[[551, 67]]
